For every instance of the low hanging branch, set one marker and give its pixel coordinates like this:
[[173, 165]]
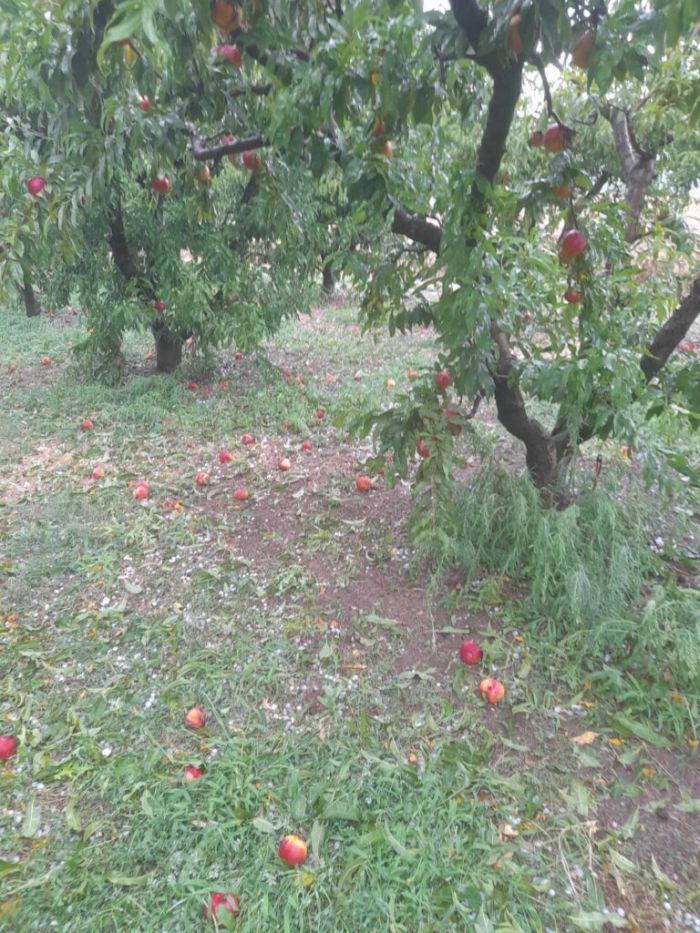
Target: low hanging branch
[[203, 153]]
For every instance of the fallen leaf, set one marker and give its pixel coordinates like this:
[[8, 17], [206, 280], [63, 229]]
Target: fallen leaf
[[586, 738], [506, 831]]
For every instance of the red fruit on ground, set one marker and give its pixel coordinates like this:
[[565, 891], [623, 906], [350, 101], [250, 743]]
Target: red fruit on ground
[[238, 355], [46, 361], [202, 478], [363, 483], [688, 346], [159, 306], [247, 440], [320, 414], [306, 445], [140, 490], [220, 903], [240, 495], [35, 186], [86, 424], [573, 295], [572, 245], [98, 472], [492, 690], [555, 138], [8, 746], [192, 773], [284, 465], [293, 850], [470, 652], [422, 448], [225, 456], [192, 386], [442, 380], [195, 717]]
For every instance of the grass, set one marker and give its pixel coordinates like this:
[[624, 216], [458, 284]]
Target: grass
[[336, 707]]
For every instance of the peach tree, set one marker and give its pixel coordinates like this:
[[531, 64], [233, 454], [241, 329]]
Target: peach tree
[[511, 174], [104, 181]]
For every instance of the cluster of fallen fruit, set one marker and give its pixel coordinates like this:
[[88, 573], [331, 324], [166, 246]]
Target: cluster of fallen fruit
[[293, 850]]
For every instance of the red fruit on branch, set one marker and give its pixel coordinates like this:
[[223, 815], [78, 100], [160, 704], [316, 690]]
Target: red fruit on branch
[[35, 186], [515, 42], [572, 245], [454, 421], [144, 104], [159, 306], [442, 380], [573, 295], [378, 128], [582, 49], [388, 149], [251, 160], [422, 449], [537, 139], [561, 191], [555, 138], [160, 185], [232, 54]]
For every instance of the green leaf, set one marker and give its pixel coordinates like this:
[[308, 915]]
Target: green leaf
[[628, 726], [31, 821], [9, 868], [262, 825], [127, 881]]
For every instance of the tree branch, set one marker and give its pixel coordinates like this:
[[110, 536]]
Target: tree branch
[[202, 153], [417, 228], [512, 413], [637, 163], [671, 333], [472, 19]]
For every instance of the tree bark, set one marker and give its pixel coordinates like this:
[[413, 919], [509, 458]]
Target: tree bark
[[31, 302], [168, 349], [328, 279]]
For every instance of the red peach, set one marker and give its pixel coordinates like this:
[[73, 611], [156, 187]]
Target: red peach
[[293, 850]]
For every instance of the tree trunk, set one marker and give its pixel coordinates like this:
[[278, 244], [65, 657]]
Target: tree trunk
[[31, 302], [328, 279], [168, 350]]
